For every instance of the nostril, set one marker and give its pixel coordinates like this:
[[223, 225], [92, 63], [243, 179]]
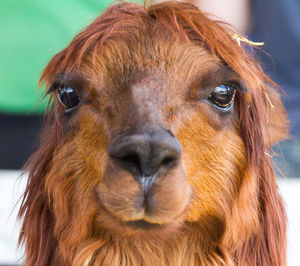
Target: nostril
[[130, 160], [168, 160]]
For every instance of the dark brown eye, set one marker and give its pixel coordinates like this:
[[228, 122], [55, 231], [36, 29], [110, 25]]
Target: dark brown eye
[[222, 96], [68, 97]]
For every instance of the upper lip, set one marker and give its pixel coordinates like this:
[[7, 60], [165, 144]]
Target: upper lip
[[146, 183]]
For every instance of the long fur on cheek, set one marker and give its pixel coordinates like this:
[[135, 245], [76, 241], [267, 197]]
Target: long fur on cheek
[[267, 242]]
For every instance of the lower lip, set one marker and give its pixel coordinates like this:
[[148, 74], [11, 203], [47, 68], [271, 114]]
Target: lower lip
[[143, 225]]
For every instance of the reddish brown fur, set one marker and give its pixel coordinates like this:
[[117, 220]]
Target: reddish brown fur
[[138, 67]]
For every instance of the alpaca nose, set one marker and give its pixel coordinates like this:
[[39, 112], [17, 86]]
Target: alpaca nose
[[146, 154]]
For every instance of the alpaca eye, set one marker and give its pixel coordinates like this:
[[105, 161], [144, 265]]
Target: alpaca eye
[[68, 97], [222, 96]]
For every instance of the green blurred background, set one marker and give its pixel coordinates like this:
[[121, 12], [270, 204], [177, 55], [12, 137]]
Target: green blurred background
[[31, 32]]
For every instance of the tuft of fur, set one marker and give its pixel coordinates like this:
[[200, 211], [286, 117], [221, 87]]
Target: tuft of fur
[[136, 64]]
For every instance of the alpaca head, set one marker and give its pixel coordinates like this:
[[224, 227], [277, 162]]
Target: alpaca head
[[159, 123]]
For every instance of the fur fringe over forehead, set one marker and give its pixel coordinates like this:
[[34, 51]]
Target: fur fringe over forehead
[[184, 20]]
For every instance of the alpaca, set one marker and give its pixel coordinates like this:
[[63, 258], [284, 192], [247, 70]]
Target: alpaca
[[155, 149]]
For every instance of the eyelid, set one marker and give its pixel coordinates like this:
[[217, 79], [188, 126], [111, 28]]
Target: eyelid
[[238, 85], [54, 87], [73, 79], [233, 83]]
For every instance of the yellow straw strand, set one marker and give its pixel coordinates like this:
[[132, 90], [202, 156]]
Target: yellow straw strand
[[269, 100], [239, 38], [268, 154]]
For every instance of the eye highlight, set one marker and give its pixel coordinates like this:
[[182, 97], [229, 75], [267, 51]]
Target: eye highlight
[[68, 97], [222, 96]]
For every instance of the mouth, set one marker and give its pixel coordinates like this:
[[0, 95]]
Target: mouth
[[143, 225], [132, 226], [124, 207]]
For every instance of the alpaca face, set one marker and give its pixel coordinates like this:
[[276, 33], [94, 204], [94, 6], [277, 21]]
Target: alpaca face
[[152, 139]]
